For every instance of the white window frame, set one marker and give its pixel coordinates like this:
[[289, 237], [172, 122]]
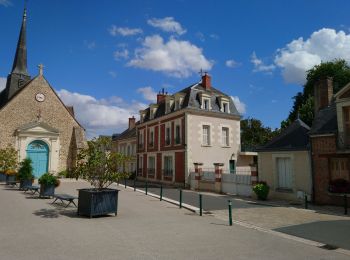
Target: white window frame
[[275, 156], [172, 162], [225, 139], [206, 141]]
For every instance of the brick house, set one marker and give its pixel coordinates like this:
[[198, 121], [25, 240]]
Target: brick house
[[198, 125], [330, 139]]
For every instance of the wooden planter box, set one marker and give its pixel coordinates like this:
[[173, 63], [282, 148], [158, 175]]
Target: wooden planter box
[[95, 202], [10, 178], [47, 190], [25, 183]]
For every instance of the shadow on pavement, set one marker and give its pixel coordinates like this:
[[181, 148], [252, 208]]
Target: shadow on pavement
[[333, 233]]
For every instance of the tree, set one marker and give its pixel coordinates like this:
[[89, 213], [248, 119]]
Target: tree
[[8, 159], [303, 105], [98, 165], [25, 171], [254, 133]]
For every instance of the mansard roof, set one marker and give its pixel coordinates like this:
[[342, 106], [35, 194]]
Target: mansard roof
[[192, 101], [325, 121], [294, 138], [127, 134]]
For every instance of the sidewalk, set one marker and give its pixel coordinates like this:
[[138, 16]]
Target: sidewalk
[[326, 225]]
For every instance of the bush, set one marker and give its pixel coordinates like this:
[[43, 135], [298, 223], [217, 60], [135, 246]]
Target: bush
[[261, 189], [339, 186], [10, 172], [66, 174], [25, 171], [49, 179]]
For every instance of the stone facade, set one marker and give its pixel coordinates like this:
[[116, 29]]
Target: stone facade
[[24, 109]]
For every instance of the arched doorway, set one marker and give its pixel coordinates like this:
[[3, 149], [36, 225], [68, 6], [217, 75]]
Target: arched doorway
[[38, 152]]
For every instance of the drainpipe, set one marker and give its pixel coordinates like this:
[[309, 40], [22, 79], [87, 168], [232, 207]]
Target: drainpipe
[[186, 153]]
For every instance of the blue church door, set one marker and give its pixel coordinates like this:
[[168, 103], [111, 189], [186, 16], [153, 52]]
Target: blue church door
[[38, 152]]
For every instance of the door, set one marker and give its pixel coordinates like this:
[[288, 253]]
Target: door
[[284, 173], [38, 152], [232, 166]]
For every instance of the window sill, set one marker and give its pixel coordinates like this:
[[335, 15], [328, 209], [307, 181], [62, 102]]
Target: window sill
[[226, 146], [206, 145]]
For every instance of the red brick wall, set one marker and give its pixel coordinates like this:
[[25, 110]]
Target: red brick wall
[[162, 136], [179, 166], [324, 145], [159, 166], [145, 165]]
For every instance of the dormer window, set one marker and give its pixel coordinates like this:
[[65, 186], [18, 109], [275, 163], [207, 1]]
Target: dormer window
[[177, 104], [205, 101], [152, 111], [206, 104], [169, 101], [225, 107]]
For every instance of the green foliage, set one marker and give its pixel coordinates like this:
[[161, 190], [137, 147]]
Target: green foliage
[[25, 171], [8, 159], [254, 133], [261, 190], [99, 165], [339, 70], [66, 174], [48, 179]]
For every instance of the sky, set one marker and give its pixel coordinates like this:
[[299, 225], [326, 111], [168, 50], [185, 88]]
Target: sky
[[109, 58]]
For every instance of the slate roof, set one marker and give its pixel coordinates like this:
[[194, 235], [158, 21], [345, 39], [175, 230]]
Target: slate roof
[[325, 121], [192, 101], [294, 138], [128, 133]]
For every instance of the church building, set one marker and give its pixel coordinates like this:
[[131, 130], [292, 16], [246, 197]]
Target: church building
[[34, 120]]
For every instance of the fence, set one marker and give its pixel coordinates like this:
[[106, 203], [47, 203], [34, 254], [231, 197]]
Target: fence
[[238, 183]]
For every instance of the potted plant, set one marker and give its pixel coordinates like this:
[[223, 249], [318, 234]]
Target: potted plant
[[8, 163], [48, 182], [25, 173], [261, 190], [100, 166]]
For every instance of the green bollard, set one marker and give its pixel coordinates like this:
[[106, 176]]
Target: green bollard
[[146, 187], [305, 199], [161, 192], [180, 201], [135, 184], [200, 205], [125, 183], [230, 212]]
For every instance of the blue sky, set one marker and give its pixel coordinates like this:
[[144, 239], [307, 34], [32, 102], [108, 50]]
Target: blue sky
[[108, 58]]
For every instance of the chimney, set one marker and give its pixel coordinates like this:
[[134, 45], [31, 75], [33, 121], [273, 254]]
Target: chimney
[[161, 96], [131, 122], [323, 93], [206, 81]]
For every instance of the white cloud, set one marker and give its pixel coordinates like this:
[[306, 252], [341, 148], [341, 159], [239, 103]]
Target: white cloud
[[232, 64], [124, 31], [2, 83], [300, 55], [122, 54], [167, 24], [176, 58], [100, 116], [5, 3], [148, 94], [259, 65], [112, 73], [241, 107]]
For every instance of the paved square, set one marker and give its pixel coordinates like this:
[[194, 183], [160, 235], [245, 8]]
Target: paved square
[[145, 228]]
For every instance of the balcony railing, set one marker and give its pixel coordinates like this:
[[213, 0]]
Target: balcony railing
[[167, 141], [151, 143], [151, 171], [177, 140], [167, 172], [141, 146], [139, 171]]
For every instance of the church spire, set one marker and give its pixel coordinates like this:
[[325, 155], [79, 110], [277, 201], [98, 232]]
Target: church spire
[[19, 74], [20, 61]]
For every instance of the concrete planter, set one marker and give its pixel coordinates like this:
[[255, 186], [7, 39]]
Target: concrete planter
[[95, 202], [47, 190], [25, 183], [10, 178]]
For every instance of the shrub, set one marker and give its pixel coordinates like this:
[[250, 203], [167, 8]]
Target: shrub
[[25, 171], [8, 159], [339, 186], [10, 172], [49, 179], [261, 189]]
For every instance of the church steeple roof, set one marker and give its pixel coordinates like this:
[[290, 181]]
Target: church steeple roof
[[20, 61]]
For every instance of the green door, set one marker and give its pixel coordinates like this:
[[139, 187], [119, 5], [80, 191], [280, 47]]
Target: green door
[[232, 166], [38, 152]]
